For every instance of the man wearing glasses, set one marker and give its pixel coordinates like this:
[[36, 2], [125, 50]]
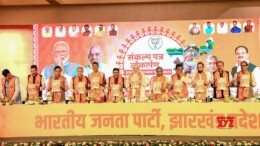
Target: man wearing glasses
[[244, 80], [242, 54]]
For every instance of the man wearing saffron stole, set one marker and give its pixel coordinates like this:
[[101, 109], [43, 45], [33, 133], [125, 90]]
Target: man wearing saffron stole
[[79, 86], [57, 86], [35, 84], [178, 83], [201, 82], [115, 87], [10, 86], [242, 54], [244, 80], [159, 86], [61, 53], [136, 83], [95, 54], [221, 82], [97, 84]]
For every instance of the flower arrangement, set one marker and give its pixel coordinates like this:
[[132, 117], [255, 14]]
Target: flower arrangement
[[34, 101], [199, 98], [49, 98], [5, 101], [190, 100], [229, 98], [150, 98], [255, 97], [176, 97], [87, 98], [137, 143], [92, 97], [120, 99], [257, 94], [71, 99]]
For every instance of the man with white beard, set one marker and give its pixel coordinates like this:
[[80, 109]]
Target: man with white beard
[[61, 57], [61, 53]]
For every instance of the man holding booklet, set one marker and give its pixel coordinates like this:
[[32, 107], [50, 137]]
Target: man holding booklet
[[244, 80], [115, 87], [57, 86], [79, 86], [35, 84]]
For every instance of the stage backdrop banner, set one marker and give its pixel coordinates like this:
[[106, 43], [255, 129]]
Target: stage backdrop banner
[[209, 119], [149, 44]]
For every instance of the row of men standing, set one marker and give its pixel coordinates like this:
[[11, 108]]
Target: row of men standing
[[97, 88]]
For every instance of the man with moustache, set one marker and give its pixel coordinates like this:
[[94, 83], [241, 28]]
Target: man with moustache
[[211, 63], [57, 86], [244, 80], [136, 83], [97, 83], [221, 82], [159, 86], [35, 84], [95, 54], [201, 81], [79, 86], [115, 86], [178, 82], [242, 54]]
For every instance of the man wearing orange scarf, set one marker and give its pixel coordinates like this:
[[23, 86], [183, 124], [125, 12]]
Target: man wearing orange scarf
[[159, 86], [201, 82], [221, 82], [115, 87], [35, 84], [57, 86], [136, 83], [178, 83], [79, 86], [10, 86], [244, 80], [97, 84]]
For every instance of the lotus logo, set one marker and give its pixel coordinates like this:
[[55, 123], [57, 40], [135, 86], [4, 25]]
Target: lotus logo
[[155, 42]]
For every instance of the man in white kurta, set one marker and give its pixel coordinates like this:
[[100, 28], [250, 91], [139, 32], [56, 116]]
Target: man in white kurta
[[136, 83]]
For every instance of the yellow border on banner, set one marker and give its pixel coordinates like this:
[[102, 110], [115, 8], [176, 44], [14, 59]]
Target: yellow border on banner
[[197, 119]]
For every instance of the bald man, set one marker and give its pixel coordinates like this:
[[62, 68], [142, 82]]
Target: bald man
[[94, 55], [136, 83]]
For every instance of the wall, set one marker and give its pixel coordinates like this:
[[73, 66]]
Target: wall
[[129, 12]]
